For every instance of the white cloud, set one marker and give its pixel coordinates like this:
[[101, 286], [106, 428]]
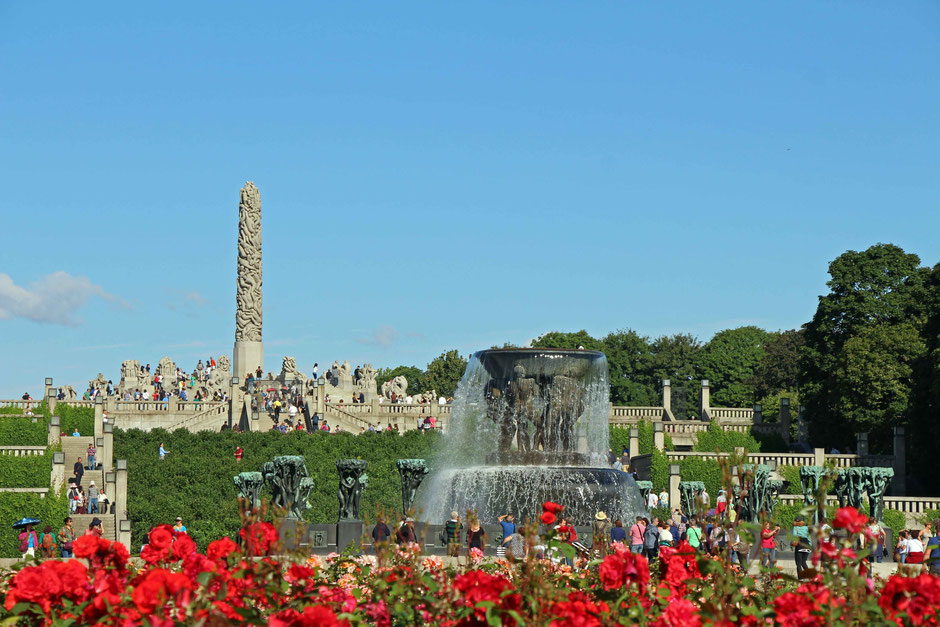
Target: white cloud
[[53, 299], [385, 335]]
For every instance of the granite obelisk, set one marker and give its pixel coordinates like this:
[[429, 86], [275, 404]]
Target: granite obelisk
[[249, 350]]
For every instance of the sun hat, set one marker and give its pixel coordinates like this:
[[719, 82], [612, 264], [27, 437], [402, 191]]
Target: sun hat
[[601, 516]]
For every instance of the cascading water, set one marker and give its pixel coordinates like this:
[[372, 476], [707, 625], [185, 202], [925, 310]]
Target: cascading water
[[529, 425]]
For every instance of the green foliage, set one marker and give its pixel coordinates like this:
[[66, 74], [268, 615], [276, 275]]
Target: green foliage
[[72, 418], [415, 377], [791, 474], [195, 479], [571, 341], [31, 471], [24, 431], [51, 510], [629, 362], [717, 439], [445, 372], [729, 361], [770, 442], [707, 471], [779, 368], [659, 471]]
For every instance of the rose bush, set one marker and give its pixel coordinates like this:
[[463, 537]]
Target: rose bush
[[243, 583]]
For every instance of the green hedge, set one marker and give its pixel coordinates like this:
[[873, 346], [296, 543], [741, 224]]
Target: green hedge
[[195, 479], [22, 431], [31, 471], [71, 418], [791, 474], [717, 439], [51, 510], [620, 438]]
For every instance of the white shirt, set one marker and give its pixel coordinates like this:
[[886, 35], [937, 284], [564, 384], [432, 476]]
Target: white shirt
[[904, 546], [442, 401], [705, 498], [292, 411], [665, 535], [664, 498], [409, 400], [914, 546], [653, 500]]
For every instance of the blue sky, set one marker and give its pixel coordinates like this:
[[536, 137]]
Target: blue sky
[[439, 176]]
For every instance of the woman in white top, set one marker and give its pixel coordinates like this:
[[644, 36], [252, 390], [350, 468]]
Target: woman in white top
[[665, 535]]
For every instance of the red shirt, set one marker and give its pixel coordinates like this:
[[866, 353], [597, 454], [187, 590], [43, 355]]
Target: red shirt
[[238, 453]]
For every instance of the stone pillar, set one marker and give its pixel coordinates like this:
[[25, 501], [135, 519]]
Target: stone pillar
[[802, 433], [124, 532], [249, 349], [899, 482], [107, 450], [659, 436], [667, 399], [634, 443], [758, 414], [704, 401], [819, 457], [785, 419], [50, 395], [110, 485], [861, 447], [120, 491], [99, 416], [675, 499], [55, 431], [57, 478], [321, 397]]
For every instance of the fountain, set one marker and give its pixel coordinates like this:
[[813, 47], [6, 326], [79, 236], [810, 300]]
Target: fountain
[[528, 426]]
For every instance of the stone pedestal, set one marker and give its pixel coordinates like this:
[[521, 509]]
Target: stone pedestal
[[348, 532], [667, 399], [294, 534], [674, 478], [819, 457], [120, 491], [107, 450], [704, 401], [99, 416], [248, 355], [57, 478], [634, 443], [659, 436], [785, 419], [898, 482], [55, 431], [862, 444]]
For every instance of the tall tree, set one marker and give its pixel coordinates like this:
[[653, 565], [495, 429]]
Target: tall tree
[[629, 361], [445, 372], [561, 339], [879, 287], [779, 368], [729, 361], [674, 359]]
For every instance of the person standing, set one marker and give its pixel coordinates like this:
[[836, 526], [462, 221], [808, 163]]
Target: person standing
[[618, 533], [179, 527], [801, 544], [73, 498], [721, 504], [66, 537], [664, 499], [693, 534], [651, 539], [102, 501], [92, 498], [238, 453], [476, 537], [452, 530], [78, 470], [509, 528], [768, 543], [163, 452], [706, 500], [636, 535], [652, 501], [406, 532], [90, 456], [932, 551], [903, 547], [28, 542], [94, 528], [915, 550], [665, 534], [600, 533]]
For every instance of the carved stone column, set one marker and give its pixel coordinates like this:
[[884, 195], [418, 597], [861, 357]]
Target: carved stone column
[[249, 350]]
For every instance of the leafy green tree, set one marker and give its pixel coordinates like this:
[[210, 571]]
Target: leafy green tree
[[879, 287], [673, 358], [729, 361], [925, 428], [415, 377], [779, 368], [629, 361], [445, 372], [560, 339]]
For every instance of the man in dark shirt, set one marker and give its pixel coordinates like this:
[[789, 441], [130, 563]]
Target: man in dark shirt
[[452, 534], [78, 470], [380, 533]]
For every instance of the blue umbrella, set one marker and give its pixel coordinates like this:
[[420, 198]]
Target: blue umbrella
[[23, 522]]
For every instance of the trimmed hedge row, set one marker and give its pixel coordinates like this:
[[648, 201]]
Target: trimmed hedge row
[[22, 431], [717, 439], [195, 479], [51, 510], [72, 418], [31, 471]]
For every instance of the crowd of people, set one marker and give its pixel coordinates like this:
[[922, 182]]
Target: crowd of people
[[52, 544]]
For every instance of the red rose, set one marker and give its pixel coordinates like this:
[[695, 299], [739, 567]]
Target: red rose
[[220, 549], [548, 518], [161, 537], [476, 586], [682, 613], [312, 616], [157, 587], [623, 568], [153, 555], [86, 546], [850, 519], [182, 546], [259, 538], [554, 508]]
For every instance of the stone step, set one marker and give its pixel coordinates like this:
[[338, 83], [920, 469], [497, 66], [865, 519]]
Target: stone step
[[80, 523]]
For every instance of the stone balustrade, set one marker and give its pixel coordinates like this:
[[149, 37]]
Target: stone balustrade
[[22, 451], [633, 414], [42, 492], [732, 413]]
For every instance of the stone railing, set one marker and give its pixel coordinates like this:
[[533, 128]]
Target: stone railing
[[212, 410], [628, 415], [22, 451], [19, 404], [914, 507], [168, 406], [732, 413], [42, 492], [685, 426], [78, 403], [775, 459]]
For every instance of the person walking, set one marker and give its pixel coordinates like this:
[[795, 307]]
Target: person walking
[[90, 455], [651, 539], [380, 534], [47, 543], [693, 534], [239, 451], [636, 535], [618, 533], [452, 530], [92, 498], [78, 470], [94, 528], [664, 499], [163, 452], [29, 542], [66, 537]]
